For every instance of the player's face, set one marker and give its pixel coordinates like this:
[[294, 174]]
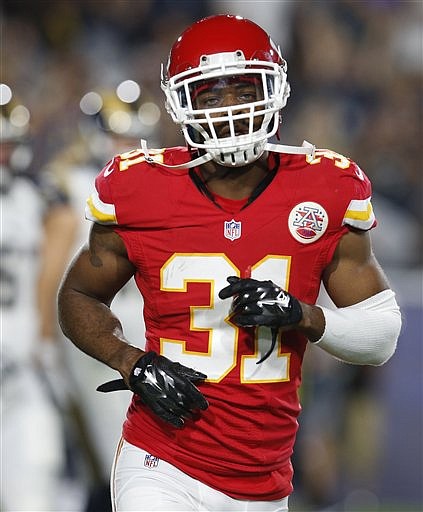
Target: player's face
[[229, 92]]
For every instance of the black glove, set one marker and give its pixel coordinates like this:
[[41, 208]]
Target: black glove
[[165, 387], [261, 303]]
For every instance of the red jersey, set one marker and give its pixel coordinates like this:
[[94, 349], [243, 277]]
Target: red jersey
[[184, 246]]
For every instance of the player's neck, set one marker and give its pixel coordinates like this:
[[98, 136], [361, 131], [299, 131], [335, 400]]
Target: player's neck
[[233, 183]]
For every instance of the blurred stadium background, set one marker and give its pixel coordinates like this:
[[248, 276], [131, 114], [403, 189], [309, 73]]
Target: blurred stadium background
[[355, 69]]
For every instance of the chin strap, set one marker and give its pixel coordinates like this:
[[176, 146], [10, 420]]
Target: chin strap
[[306, 149], [187, 165]]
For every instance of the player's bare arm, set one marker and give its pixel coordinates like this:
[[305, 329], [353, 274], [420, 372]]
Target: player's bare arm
[[99, 271], [352, 276], [94, 278], [354, 273], [60, 228], [365, 327]]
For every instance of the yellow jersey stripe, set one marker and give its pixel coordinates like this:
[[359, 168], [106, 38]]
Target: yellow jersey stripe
[[98, 211], [359, 214]]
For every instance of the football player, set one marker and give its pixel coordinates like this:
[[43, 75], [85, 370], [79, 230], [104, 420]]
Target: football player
[[228, 241], [32, 442], [107, 126]]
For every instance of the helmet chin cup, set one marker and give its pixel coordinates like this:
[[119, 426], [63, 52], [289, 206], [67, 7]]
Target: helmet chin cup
[[238, 154], [238, 157]]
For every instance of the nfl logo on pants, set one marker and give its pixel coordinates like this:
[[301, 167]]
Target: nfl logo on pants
[[150, 461]]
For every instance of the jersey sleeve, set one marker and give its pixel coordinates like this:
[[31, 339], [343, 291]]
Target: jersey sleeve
[[100, 205], [359, 212], [129, 189]]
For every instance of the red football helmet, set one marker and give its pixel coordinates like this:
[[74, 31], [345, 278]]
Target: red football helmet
[[217, 59]]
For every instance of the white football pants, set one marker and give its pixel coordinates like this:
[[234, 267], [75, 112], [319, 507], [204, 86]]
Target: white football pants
[[143, 483], [32, 445]]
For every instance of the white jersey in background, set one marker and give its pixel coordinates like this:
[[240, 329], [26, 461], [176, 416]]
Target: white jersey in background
[[31, 427]]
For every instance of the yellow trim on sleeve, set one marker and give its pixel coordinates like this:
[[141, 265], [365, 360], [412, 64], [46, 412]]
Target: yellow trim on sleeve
[[363, 215], [97, 215]]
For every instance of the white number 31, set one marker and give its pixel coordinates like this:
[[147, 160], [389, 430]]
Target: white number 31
[[221, 356]]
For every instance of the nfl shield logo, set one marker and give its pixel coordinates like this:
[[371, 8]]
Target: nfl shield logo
[[150, 461], [232, 229]]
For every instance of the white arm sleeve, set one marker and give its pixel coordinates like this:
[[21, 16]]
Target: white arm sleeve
[[364, 333]]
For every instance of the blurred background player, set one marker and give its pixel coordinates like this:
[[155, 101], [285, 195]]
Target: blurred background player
[[111, 121], [32, 442]]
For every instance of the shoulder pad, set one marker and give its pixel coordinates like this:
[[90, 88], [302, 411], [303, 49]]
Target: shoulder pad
[[355, 184], [125, 179], [100, 205]]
